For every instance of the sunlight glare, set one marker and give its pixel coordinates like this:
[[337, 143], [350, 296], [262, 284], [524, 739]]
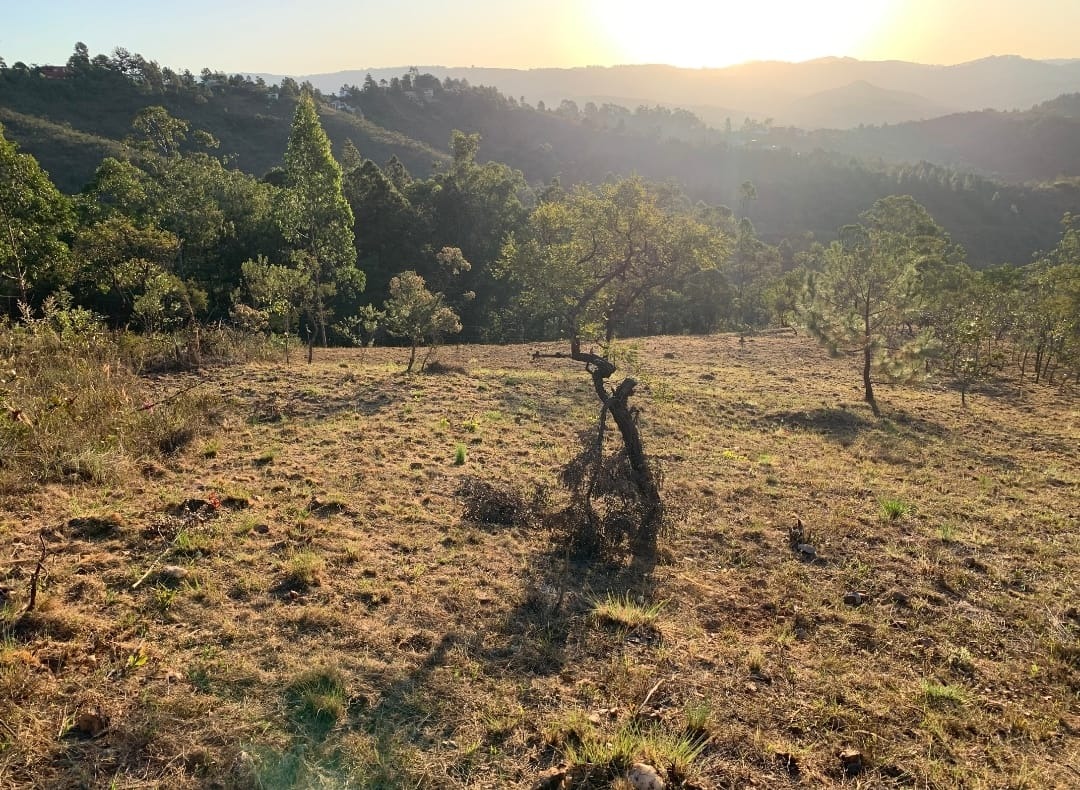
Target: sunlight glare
[[709, 33]]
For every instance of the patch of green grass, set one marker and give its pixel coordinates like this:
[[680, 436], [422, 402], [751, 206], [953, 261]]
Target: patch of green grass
[[892, 509], [317, 700], [626, 612], [938, 694], [460, 455], [304, 569], [607, 755]]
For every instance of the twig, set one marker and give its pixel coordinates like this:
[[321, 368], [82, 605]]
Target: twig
[[36, 575], [653, 690], [154, 564], [153, 404]]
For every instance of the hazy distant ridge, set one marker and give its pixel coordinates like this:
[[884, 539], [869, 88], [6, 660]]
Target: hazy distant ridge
[[831, 92]]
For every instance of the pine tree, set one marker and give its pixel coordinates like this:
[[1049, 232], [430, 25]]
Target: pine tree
[[315, 219]]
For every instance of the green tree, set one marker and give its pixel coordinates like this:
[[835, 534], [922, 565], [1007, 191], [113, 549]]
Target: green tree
[[277, 292], [415, 313], [315, 219], [583, 264], [34, 218], [867, 299]]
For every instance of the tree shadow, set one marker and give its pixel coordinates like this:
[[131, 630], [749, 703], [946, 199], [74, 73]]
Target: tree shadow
[[845, 425], [840, 425], [533, 637]]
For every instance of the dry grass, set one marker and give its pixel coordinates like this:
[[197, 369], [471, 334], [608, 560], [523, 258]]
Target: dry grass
[[350, 626]]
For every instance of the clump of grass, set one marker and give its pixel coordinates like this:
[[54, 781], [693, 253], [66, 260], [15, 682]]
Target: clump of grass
[[460, 456], [304, 569], [893, 509], [697, 713], [625, 612], [606, 756], [939, 694], [317, 701], [570, 727]]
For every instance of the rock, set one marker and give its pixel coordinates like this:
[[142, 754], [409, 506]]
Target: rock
[[173, 574], [644, 777], [900, 598], [852, 760], [806, 550], [91, 724], [551, 779], [855, 598]]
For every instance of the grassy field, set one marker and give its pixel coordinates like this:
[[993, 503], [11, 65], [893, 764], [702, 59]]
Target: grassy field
[[294, 599]]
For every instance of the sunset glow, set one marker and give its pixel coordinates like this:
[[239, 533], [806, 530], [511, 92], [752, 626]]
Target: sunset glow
[[695, 33]]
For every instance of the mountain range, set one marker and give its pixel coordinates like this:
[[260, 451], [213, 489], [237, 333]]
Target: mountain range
[[837, 93]]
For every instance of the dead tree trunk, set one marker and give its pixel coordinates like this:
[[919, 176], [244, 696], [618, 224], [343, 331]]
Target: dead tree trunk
[[616, 403]]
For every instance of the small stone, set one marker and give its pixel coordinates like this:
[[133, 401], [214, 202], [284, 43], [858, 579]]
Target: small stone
[[852, 760], [806, 550], [551, 779], [262, 529], [91, 723], [644, 777], [855, 598], [173, 573]]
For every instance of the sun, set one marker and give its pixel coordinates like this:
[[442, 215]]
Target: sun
[[700, 33]]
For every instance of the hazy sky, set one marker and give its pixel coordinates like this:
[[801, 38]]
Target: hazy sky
[[314, 36]]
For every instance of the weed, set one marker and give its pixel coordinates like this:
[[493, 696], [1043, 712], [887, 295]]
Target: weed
[[460, 456], [626, 612], [892, 509], [938, 694], [317, 700]]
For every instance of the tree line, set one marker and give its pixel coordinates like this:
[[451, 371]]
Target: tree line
[[343, 250]]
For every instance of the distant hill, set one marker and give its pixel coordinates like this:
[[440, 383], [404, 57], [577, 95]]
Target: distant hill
[[781, 91], [1039, 144], [808, 185], [862, 103]]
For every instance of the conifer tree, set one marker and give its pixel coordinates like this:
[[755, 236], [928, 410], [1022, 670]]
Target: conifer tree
[[315, 219], [867, 299]]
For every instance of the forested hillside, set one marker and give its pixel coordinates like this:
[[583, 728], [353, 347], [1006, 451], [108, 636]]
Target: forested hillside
[[801, 188], [284, 211], [1041, 144]]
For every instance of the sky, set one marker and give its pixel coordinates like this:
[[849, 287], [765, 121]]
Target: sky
[[319, 36]]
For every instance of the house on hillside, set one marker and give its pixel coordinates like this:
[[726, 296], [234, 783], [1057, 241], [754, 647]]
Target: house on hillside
[[53, 72]]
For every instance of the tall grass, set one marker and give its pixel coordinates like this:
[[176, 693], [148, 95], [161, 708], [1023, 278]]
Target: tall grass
[[73, 408]]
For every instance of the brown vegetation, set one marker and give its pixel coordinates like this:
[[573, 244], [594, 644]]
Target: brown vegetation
[[846, 600]]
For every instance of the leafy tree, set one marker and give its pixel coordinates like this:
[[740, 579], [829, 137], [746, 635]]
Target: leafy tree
[[34, 217], [277, 292], [415, 313], [315, 219], [583, 263], [868, 296], [118, 261]]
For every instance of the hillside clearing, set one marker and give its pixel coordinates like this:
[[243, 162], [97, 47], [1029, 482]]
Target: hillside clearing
[[848, 600]]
